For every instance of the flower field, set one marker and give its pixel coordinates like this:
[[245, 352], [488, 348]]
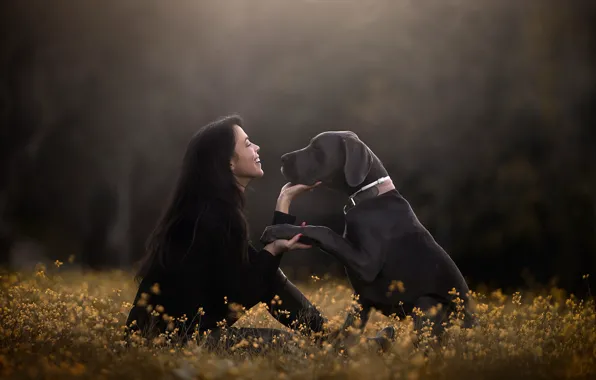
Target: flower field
[[60, 324]]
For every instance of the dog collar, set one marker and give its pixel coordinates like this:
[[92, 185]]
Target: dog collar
[[368, 191]]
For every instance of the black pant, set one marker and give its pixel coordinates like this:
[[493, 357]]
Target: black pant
[[295, 311]]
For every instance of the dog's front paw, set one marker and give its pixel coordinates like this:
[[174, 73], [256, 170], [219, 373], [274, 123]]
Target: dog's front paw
[[267, 236], [279, 231]]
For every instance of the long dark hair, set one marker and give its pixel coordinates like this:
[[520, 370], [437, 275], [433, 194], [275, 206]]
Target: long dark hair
[[205, 180]]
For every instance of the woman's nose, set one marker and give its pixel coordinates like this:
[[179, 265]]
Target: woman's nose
[[257, 148]]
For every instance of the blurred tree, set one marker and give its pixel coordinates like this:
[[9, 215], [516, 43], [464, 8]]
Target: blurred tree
[[482, 112]]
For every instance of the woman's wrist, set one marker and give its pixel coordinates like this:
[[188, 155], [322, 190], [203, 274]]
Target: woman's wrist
[[272, 249], [283, 205]]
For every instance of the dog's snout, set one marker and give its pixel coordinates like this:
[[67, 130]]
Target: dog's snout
[[288, 166]]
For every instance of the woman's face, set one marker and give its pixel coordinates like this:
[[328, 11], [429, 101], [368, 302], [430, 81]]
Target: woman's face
[[245, 164]]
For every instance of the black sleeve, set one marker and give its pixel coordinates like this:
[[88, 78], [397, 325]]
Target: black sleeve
[[283, 218], [245, 283], [218, 258], [280, 279], [242, 283], [298, 307]]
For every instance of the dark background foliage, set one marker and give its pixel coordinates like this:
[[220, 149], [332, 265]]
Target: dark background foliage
[[482, 111]]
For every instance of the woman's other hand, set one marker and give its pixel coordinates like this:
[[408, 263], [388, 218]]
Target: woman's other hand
[[282, 245], [287, 194]]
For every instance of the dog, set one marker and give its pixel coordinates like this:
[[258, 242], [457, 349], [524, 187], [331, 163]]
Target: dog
[[392, 261]]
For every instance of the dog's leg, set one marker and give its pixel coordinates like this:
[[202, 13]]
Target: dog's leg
[[365, 263], [343, 338], [434, 317]]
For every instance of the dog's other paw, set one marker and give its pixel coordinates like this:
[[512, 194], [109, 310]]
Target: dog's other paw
[[279, 231], [267, 236]]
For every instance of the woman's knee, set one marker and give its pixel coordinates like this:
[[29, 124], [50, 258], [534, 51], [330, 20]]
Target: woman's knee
[[246, 338]]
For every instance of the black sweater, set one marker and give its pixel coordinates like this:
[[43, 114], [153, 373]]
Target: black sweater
[[209, 278]]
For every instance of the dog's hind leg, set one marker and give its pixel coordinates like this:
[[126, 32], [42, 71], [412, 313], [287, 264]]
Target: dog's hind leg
[[430, 317]]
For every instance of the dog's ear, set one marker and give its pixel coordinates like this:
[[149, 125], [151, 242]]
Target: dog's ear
[[358, 160]]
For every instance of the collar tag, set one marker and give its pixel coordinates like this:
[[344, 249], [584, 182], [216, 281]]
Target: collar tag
[[370, 185]]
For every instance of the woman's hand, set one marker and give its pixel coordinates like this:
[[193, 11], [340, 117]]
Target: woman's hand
[[282, 245], [287, 194]]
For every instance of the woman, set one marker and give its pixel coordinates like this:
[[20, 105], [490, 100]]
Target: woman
[[200, 265]]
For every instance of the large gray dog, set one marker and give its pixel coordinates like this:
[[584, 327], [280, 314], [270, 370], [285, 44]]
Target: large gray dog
[[392, 261]]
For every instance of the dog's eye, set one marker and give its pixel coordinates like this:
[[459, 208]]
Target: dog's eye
[[319, 154]]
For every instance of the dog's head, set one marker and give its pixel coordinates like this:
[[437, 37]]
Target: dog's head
[[336, 158]]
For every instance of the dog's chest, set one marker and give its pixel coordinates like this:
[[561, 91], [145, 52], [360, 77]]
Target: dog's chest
[[374, 231]]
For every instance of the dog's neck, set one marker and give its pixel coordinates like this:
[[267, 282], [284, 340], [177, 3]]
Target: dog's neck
[[370, 190]]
